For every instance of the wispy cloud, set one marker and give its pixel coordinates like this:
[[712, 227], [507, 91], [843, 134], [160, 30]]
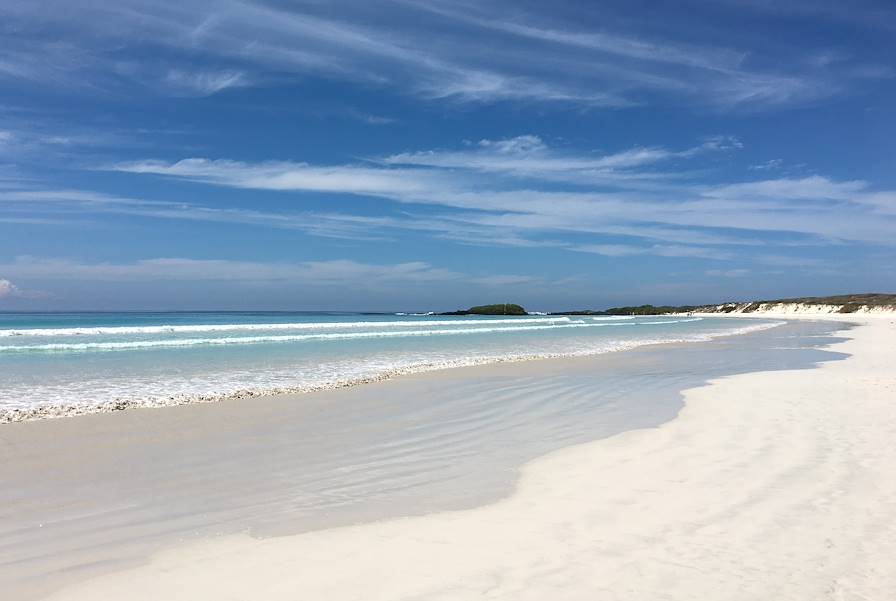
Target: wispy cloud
[[522, 192], [63, 206], [203, 83], [507, 189], [176, 268], [353, 179], [769, 165], [728, 273], [413, 176], [371, 119], [341, 273], [506, 280], [813, 187], [468, 52], [49, 141], [528, 156], [660, 250]]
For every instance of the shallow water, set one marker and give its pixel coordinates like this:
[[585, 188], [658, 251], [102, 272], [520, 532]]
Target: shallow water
[[64, 363], [87, 494]]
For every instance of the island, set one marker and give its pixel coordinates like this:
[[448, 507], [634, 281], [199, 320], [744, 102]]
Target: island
[[500, 309]]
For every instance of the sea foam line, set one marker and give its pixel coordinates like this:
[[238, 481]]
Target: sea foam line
[[189, 342], [235, 327]]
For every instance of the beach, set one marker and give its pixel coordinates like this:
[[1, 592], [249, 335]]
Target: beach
[[763, 484], [447, 301]]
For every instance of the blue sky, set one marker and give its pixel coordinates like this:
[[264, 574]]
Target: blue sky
[[426, 154]]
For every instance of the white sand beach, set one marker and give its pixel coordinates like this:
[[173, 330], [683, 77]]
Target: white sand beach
[[440, 300], [775, 485]]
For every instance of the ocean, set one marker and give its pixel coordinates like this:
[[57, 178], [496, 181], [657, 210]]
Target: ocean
[[56, 364]]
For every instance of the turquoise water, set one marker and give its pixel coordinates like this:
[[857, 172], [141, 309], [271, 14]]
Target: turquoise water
[[62, 363]]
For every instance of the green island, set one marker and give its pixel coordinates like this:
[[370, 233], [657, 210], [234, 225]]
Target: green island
[[500, 309]]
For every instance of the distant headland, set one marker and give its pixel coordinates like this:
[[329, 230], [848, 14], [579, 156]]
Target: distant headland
[[845, 303]]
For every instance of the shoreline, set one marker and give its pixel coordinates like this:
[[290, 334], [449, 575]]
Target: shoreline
[[225, 468], [8, 416], [781, 491]]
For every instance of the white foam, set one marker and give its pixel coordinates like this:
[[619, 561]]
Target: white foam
[[249, 327], [653, 323], [190, 342], [184, 342]]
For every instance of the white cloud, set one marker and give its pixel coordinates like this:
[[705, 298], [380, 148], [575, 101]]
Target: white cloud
[[204, 83], [611, 250], [308, 272], [791, 261], [728, 273], [505, 280], [721, 143], [883, 202], [660, 250], [7, 288], [290, 176], [372, 119], [525, 143], [529, 156], [342, 273], [769, 165], [808, 188], [39, 141], [10, 290]]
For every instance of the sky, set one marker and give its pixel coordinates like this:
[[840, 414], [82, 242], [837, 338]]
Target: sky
[[431, 155]]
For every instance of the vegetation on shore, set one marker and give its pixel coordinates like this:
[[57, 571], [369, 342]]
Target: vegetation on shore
[[849, 303], [639, 310], [500, 309], [647, 310]]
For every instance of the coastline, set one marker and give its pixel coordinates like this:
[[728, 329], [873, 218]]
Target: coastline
[[782, 490]]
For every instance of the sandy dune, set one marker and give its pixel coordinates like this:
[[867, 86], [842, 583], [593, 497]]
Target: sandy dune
[[777, 485]]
